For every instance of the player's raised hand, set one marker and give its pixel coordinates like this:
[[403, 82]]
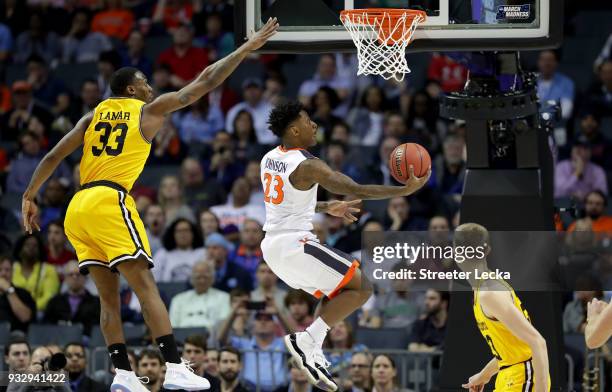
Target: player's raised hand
[[344, 209], [29, 211], [477, 382], [258, 39], [415, 183]]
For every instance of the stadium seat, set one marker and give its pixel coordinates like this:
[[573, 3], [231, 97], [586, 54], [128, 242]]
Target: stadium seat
[[182, 333], [130, 331], [169, 289], [5, 333], [75, 74], [41, 334], [383, 338]]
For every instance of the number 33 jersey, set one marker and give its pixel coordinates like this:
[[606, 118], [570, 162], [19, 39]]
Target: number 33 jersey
[[287, 208], [114, 147]]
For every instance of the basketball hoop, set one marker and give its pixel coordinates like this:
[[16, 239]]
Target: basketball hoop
[[381, 36]]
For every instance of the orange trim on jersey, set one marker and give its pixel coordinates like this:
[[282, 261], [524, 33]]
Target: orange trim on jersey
[[283, 149], [347, 278], [318, 294]]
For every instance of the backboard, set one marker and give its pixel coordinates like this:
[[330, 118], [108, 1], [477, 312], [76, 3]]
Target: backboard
[[313, 26]]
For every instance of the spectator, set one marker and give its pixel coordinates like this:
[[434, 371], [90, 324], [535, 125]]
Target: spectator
[[185, 60], [204, 305], [219, 43], [162, 74], [108, 62], [46, 89], [341, 132], [297, 380], [82, 45], [395, 126], [230, 366], [266, 368], [201, 193], [199, 122], [76, 366], [326, 75], [16, 305], [300, 307], [183, 248], [396, 308], [134, 55], [228, 274], [173, 13], [359, 373], [323, 104], [424, 125], [6, 103], [605, 54], [367, 120], [212, 367], [248, 255], [450, 167], [170, 197], [209, 223], [275, 87], [341, 344], [600, 94], [595, 203], [238, 209], [590, 133], [194, 350], [379, 171], [15, 15], [54, 199], [38, 41], [253, 175], [223, 165], [399, 218], [428, 332], [245, 138], [114, 20], [259, 108], [31, 273], [77, 305], [384, 373], [89, 97], [577, 176], [553, 85], [450, 74], [155, 221], [26, 114], [574, 315], [57, 250], [17, 355], [336, 157], [6, 43], [237, 323], [267, 286], [149, 364]]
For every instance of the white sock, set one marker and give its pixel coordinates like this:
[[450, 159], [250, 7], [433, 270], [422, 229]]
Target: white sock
[[318, 330]]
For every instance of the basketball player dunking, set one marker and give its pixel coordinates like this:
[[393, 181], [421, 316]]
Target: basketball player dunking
[[520, 357], [290, 176], [102, 222]]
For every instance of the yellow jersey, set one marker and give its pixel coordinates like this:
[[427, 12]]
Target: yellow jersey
[[507, 348], [114, 147]]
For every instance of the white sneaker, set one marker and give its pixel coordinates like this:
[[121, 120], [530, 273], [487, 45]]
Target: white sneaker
[[125, 381], [310, 358], [182, 376]]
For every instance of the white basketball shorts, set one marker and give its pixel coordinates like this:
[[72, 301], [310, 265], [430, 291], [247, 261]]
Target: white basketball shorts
[[298, 259]]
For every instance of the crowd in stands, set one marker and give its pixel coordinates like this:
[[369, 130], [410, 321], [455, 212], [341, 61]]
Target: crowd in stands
[[204, 217]]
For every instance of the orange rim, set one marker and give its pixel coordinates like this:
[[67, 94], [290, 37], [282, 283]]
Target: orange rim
[[385, 19]]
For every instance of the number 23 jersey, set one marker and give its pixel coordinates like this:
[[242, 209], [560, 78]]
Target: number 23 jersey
[[287, 208], [115, 148]]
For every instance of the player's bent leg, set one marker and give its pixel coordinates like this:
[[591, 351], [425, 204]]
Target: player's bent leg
[[179, 374], [347, 299]]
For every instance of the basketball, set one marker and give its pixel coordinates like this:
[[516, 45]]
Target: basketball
[[405, 155]]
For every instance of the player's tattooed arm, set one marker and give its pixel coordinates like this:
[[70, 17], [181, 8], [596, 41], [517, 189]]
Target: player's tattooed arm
[[316, 171], [212, 76]]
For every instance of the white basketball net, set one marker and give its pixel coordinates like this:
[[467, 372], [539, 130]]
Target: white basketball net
[[378, 52]]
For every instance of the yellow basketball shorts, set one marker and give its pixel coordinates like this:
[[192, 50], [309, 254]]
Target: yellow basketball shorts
[[104, 227], [516, 378]]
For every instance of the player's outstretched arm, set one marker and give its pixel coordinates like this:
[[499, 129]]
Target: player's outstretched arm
[[477, 382], [211, 77], [599, 323], [47, 166], [499, 304], [315, 171]]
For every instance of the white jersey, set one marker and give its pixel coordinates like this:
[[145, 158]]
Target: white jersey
[[287, 208]]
